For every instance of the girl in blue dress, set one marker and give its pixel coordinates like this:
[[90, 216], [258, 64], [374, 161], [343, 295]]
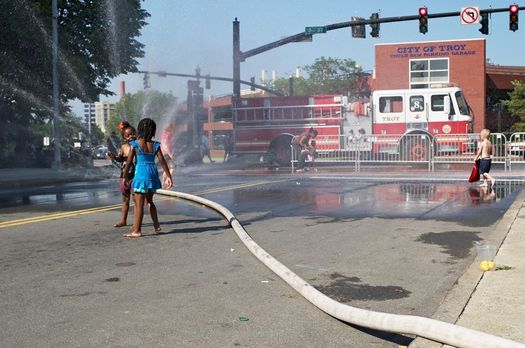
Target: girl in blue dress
[[146, 180]]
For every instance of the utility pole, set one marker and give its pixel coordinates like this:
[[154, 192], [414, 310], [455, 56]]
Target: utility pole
[[195, 100], [57, 163]]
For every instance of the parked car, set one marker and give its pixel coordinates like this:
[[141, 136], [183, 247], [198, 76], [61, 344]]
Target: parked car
[[100, 152]]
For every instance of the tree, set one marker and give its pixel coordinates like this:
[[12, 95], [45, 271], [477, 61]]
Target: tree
[[301, 86], [516, 104], [72, 131], [151, 103], [96, 43], [328, 76], [97, 136]]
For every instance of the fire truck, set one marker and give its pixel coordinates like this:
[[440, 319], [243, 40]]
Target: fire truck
[[267, 125]]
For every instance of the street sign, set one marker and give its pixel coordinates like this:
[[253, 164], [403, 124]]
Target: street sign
[[469, 15], [46, 141], [315, 30]]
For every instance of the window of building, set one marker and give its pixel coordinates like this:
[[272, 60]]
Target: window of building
[[424, 73]]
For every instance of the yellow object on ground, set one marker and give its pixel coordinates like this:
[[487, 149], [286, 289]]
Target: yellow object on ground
[[487, 265]]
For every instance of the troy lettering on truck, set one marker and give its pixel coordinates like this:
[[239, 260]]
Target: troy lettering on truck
[[390, 118]]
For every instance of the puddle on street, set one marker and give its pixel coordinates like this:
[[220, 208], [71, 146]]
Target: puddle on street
[[360, 199]]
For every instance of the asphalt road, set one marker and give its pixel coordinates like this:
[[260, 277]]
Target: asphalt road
[[71, 280]]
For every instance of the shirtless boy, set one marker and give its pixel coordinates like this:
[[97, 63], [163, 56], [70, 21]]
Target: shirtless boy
[[484, 154]]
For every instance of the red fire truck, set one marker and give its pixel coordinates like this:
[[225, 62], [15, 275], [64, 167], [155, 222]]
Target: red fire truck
[[267, 125]]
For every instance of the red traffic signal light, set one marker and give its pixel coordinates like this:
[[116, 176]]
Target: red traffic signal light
[[423, 20], [513, 17]]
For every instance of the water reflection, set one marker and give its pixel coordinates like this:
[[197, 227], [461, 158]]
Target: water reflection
[[347, 199], [480, 195]]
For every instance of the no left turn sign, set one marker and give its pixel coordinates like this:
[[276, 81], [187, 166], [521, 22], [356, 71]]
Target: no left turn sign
[[469, 15]]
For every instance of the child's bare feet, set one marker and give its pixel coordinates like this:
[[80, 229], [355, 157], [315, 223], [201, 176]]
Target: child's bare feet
[[120, 224], [157, 229], [133, 234]]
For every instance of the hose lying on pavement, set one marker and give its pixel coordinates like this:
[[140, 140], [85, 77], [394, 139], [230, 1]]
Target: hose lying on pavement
[[404, 324]]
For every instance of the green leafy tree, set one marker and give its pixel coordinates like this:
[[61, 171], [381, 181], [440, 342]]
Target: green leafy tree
[[97, 136], [516, 105], [328, 76], [96, 43], [133, 107], [301, 86], [72, 130]]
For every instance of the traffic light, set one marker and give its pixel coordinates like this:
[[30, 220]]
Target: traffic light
[[207, 82], [423, 20], [513, 17], [374, 26], [484, 24], [358, 30], [252, 81], [147, 83]]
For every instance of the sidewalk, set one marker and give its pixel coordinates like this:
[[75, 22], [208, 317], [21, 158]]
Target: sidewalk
[[491, 302], [498, 304]]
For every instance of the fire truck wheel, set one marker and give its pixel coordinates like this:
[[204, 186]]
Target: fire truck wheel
[[280, 151], [419, 152], [414, 151]]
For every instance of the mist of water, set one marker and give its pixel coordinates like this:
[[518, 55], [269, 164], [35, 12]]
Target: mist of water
[[112, 38], [47, 39], [24, 94]]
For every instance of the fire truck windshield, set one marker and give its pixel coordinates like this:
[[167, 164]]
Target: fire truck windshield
[[462, 103]]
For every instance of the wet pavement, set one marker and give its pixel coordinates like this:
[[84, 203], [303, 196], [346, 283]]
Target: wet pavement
[[390, 245]]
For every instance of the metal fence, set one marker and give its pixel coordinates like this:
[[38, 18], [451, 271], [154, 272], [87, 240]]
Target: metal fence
[[410, 149]]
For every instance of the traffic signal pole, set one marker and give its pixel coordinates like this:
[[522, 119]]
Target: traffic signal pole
[[303, 36], [239, 56], [217, 78]]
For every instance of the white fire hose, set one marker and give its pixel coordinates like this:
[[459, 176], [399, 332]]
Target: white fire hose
[[432, 329]]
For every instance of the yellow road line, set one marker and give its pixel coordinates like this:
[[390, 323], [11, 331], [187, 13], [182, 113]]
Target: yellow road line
[[42, 218]]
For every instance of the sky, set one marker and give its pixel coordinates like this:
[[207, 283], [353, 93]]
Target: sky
[[184, 34]]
